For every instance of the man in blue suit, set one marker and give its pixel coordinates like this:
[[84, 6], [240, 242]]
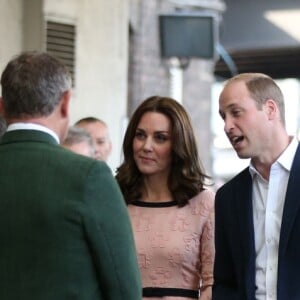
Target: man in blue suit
[[257, 212], [64, 227]]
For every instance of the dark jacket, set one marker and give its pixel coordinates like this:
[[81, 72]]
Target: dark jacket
[[234, 272]]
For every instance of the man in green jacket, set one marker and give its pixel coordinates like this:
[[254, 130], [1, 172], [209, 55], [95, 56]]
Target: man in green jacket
[[64, 227], [2, 126]]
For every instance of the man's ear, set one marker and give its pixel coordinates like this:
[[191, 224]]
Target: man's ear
[[271, 108], [65, 101]]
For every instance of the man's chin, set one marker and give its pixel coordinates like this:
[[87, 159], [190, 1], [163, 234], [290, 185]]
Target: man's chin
[[242, 155]]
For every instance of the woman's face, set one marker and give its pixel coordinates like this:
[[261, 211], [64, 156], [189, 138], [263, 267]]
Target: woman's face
[[152, 144]]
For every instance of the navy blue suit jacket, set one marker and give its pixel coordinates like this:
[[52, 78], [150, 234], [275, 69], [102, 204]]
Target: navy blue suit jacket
[[234, 271]]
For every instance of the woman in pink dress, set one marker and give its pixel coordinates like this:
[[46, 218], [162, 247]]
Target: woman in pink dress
[[171, 211]]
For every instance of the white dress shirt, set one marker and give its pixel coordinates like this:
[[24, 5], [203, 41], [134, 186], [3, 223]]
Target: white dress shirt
[[32, 126], [268, 200]]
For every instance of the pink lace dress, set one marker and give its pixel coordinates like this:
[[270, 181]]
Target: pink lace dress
[[175, 247]]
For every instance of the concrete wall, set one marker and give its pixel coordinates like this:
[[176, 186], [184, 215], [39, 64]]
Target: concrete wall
[[101, 52], [101, 61], [11, 19]]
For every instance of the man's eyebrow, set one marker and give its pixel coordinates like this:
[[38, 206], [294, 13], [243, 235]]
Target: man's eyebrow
[[230, 106]]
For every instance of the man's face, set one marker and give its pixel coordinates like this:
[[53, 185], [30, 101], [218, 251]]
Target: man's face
[[100, 136], [245, 125]]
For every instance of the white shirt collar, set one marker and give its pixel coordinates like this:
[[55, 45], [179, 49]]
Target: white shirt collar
[[32, 126], [285, 159]]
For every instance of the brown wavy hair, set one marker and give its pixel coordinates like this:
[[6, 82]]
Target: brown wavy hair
[[187, 176]]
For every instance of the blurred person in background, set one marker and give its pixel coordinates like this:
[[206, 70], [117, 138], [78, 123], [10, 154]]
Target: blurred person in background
[[100, 135], [79, 141]]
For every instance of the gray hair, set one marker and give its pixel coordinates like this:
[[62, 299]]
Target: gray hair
[[90, 120], [78, 135], [33, 84]]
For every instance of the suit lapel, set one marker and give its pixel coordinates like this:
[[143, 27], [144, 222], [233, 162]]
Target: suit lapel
[[246, 229], [291, 205], [244, 209]]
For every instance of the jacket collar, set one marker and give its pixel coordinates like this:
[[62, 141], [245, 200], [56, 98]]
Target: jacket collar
[[25, 135], [291, 205], [32, 126]]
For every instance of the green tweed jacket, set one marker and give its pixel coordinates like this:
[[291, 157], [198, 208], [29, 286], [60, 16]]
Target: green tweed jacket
[[64, 228]]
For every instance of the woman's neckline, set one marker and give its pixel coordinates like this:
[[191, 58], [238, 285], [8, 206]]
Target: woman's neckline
[[154, 204]]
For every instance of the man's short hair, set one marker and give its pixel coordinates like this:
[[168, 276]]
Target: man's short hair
[[90, 120], [33, 84], [78, 135]]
